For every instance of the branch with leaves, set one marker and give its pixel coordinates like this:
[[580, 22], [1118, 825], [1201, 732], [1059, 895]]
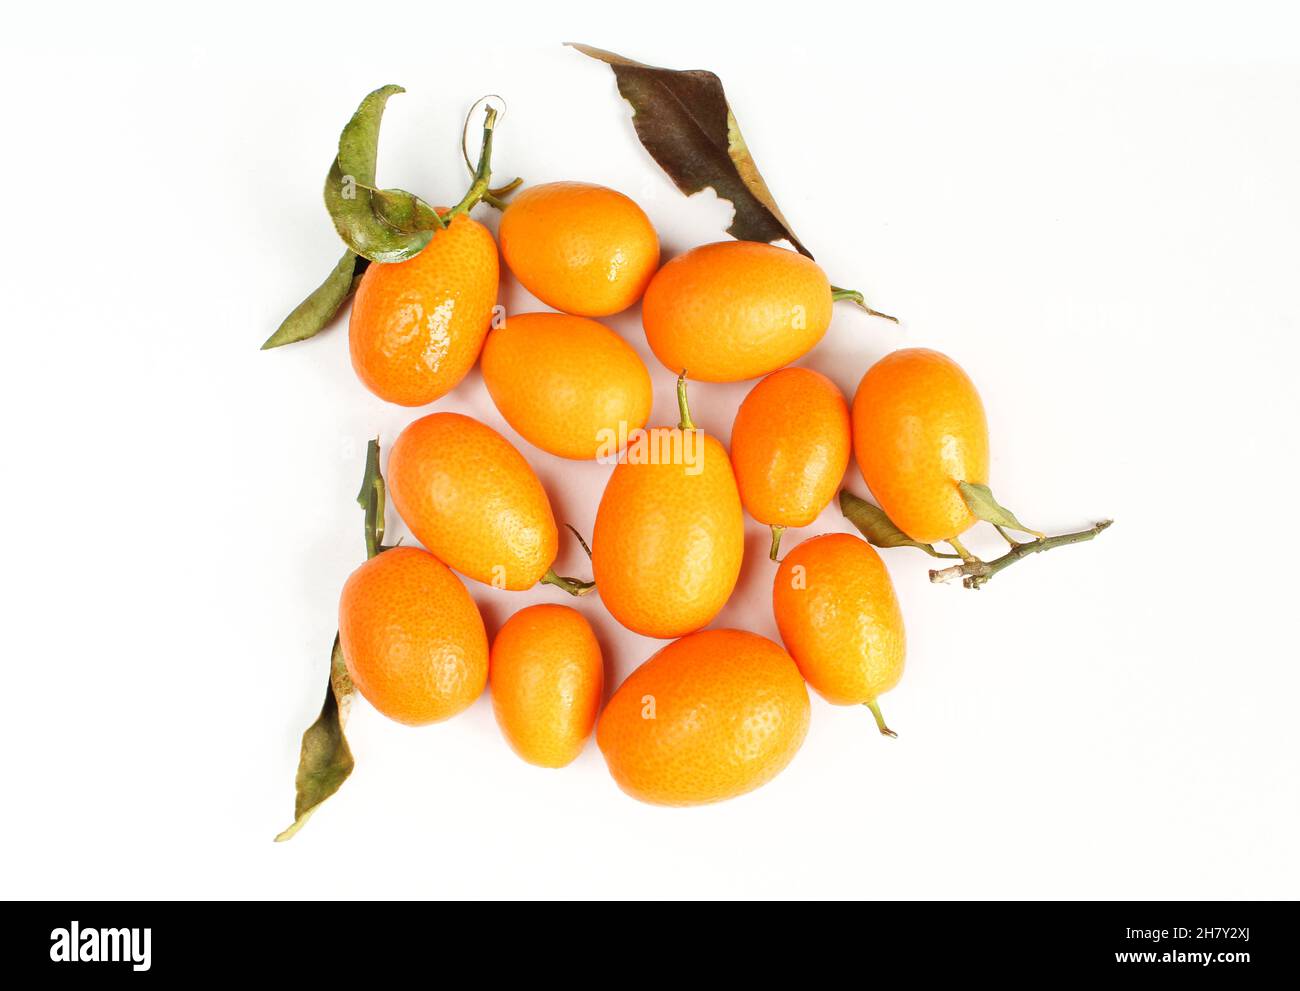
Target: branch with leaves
[[876, 526]]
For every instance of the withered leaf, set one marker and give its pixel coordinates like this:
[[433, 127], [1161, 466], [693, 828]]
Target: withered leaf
[[315, 312], [326, 760], [683, 119], [877, 527]]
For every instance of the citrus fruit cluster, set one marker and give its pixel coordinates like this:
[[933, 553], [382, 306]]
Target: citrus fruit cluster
[[716, 712]]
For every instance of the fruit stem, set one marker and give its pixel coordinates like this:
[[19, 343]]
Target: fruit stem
[[686, 422], [479, 188], [573, 586], [874, 706], [371, 498], [974, 573], [853, 296], [492, 197], [957, 546], [777, 530]]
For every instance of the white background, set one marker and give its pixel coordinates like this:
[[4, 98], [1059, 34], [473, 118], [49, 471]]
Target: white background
[[1095, 213]]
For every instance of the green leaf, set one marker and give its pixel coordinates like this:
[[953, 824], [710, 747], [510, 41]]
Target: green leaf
[[405, 211], [326, 760], [359, 141], [371, 499], [350, 184], [349, 204], [980, 501], [314, 313], [878, 528], [685, 122]]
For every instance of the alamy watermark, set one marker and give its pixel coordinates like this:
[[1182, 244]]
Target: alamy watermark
[[77, 945]]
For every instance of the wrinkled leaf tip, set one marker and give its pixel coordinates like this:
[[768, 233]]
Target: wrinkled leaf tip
[[586, 49], [612, 59]]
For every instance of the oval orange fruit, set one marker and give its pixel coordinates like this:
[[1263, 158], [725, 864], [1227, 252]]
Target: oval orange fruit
[[472, 500], [412, 637], [547, 678], [669, 535], [735, 310], [790, 446], [578, 247], [839, 618], [709, 717], [568, 385], [417, 326], [918, 430]]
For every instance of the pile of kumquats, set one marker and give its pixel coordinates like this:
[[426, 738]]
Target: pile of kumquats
[[716, 712]]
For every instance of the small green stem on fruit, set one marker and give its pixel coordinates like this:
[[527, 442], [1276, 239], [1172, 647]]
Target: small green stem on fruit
[[372, 498], [573, 586], [874, 706], [686, 422], [777, 530], [957, 546], [493, 202], [853, 296], [975, 573]]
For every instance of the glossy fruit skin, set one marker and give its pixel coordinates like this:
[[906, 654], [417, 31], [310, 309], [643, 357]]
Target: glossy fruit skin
[[578, 247], [735, 310], [547, 680], [417, 326], [472, 500], [918, 430], [412, 637], [839, 618], [730, 712], [566, 383], [790, 446], [667, 545]]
